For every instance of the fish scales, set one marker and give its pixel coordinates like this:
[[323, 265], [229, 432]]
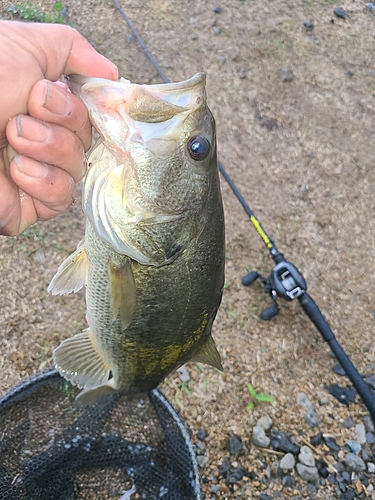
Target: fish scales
[[153, 254]]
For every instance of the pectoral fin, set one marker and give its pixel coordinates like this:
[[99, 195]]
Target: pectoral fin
[[79, 360], [71, 276], [123, 292], [208, 354]]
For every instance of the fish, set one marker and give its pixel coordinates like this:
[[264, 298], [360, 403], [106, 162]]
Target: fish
[[152, 257]]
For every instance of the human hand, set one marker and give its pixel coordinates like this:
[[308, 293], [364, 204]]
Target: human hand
[[44, 129]]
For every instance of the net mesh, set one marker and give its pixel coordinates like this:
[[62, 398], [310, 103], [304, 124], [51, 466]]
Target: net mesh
[[118, 448]]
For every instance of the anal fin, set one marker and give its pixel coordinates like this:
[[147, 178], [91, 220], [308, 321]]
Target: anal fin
[[208, 354], [123, 292], [71, 275], [79, 361]]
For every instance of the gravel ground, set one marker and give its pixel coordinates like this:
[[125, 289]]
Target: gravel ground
[[302, 153]]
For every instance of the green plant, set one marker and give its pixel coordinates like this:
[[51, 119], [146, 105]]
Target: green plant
[[30, 12], [257, 397]]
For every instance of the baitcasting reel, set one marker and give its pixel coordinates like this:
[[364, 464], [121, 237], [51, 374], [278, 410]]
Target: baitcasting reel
[[285, 281]]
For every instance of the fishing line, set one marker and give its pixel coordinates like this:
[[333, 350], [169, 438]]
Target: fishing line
[[285, 280]]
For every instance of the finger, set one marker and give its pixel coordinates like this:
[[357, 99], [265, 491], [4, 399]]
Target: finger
[[46, 190], [47, 143], [9, 206], [54, 103]]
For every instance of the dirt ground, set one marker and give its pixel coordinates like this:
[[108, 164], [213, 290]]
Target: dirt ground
[[302, 154]]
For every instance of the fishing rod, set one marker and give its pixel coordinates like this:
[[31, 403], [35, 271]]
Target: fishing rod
[[285, 280]]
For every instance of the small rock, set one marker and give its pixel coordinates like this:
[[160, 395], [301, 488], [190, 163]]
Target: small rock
[[306, 456], [303, 400], [371, 467], [183, 374], [349, 73], [289, 482], [348, 495], [275, 468], [370, 438], [311, 488], [287, 462], [322, 468], [311, 154], [308, 25], [221, 59], [369, 424], [193, 20], [360, 433], [346, 476], [235, 474], [332, 479], [311, 418], [317, 439], [371, 379], [216, 30], [200, 445], [265, 422], [281, 442], [315, 39], [218, 10], [365, 455], [234, 444], [340, 12], [202, 461], [264, 496], [339, 370], [224, 467], [214, 488], [354, 462], [242, 73], [354, 447], [324, 401], [202, 434], [345, 395], [130, 38], [308, 473], [286, 75], [331, 443], [259, 437], [348, 423], [371, 72], [370, 6]]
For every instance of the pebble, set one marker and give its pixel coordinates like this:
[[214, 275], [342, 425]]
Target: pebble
[[370, 5], [286, 75], [287, 462], [311, 488], [322, 468], [281, 442], [315, 39], [348, 423], [275, 468], [221, 59], [345, 395], [324, 401], [371, 467], [340, 12], [308, 25], [317, 439], [360, 433], [370, 438], [201, 434], [218, 10], [214, 488], [371, 380], [234, 444], [311, 418], [303, 400], [306, 456], [216, 30], [308, 473], [130, 38], [354, 446], [235, 474], [339, 370], [183, 374], [289, 482], [193, 20], [202, 461], [354, 462], [369, 424], [331, 443], [259, 437], [265, 422], [264, 496]]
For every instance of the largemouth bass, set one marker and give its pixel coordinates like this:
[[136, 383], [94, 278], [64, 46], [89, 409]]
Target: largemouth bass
[[152, 258]]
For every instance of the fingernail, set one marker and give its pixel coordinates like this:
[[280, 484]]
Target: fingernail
[[56, 100], [30, 167], [32, 129]]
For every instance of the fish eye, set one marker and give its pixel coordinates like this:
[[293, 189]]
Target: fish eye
[[198, 148]]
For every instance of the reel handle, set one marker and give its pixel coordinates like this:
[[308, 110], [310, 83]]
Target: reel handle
[[250, 278]]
